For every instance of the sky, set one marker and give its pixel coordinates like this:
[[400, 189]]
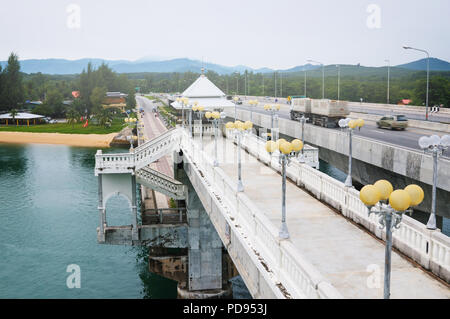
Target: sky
[[264, 33]]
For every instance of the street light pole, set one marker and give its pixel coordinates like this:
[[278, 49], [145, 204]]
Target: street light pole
[[287, 150], [376, 198], [323, 77], [339, 81], [350, 125], [388, 81], [305, 81], [436, 146], [428, 74], [240, 129]]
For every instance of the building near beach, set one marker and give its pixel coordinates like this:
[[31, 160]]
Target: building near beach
[[20, 119]]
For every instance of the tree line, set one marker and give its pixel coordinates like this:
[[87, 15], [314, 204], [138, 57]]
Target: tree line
[[367, 84], [17, 88]]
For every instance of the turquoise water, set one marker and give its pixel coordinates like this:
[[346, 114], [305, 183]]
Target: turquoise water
[[48, 220]]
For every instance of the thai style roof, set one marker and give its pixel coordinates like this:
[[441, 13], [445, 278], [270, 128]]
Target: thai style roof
[[206, 94]]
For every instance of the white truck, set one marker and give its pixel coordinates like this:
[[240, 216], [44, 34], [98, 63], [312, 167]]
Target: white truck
[[325, 113]]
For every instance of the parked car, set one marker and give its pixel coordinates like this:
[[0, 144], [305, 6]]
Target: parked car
[[399, 122]]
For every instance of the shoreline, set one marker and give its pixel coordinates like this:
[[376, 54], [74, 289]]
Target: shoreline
[[82, 140]]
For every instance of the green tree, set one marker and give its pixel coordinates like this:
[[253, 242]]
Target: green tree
[[72, 116], [12, 94], [54, 102], [131, 99], [97, 97], [13, 113], [104, 117]]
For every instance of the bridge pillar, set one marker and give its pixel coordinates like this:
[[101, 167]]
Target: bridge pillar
[[205, 247]]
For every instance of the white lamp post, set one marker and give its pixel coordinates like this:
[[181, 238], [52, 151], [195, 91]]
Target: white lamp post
[[216, 119], [436, 146], [273, 110], [339, 82], [389, 78], [428, 73], [303, 120], [390, 205], [190, 118], [239, 128], [287, 150], [252, 103], [235, 100], [323, 76], [350, 125]]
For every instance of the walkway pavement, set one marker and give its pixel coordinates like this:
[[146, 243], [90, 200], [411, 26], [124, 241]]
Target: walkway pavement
[[344, 253], [154, 128]]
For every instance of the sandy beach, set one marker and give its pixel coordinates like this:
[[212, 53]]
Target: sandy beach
[[85, 140]]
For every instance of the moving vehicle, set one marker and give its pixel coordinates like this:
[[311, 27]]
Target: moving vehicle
[[399, 122], [325, 113]]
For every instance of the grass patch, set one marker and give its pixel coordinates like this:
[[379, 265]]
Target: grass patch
[[66, 128]]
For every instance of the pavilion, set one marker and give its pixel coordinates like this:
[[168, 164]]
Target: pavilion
[[206, 94], [20, 118]]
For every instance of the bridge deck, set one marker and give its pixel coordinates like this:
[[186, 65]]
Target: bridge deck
[[344, 253]]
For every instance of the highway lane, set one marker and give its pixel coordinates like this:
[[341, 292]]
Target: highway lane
[[408, 138], [434, 117], [376, 110]]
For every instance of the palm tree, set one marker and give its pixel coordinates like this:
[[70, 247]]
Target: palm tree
[[13, 113], [104, 117], [72, 116]]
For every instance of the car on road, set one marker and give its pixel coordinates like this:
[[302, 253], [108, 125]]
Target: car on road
[[398, 122]]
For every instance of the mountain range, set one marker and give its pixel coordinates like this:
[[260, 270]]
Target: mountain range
[[63, 66]]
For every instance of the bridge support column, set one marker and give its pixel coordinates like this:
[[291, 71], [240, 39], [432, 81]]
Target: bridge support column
[[134, 231], [101, 210], [205, 248]]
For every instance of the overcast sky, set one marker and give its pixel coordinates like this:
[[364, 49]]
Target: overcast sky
[[256, 33]]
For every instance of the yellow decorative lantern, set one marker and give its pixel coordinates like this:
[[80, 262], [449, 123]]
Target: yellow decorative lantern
[[286, 148], [416, 193], [248, 125], [352, 124], [271, 146], [297, 145], [385, 188], [400, 200], [369, 195], [208, 115]]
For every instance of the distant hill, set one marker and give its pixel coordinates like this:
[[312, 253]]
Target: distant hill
[[62, 66], [421, 65]]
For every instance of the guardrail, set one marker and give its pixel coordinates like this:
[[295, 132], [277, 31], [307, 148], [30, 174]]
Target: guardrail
[[114, 163], [156, 148], [431, 249], [281, 259], [161, 183], [164, 216]]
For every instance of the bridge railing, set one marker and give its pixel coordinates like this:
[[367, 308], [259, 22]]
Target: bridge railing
[[162, 183], [152, 150], [280, 258], [431, 249], [113, 163]]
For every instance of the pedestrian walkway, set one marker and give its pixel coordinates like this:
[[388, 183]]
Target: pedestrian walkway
[[348, 256]]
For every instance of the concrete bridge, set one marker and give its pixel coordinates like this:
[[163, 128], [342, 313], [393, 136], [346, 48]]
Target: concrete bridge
[[335, 251], [372, 159]]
